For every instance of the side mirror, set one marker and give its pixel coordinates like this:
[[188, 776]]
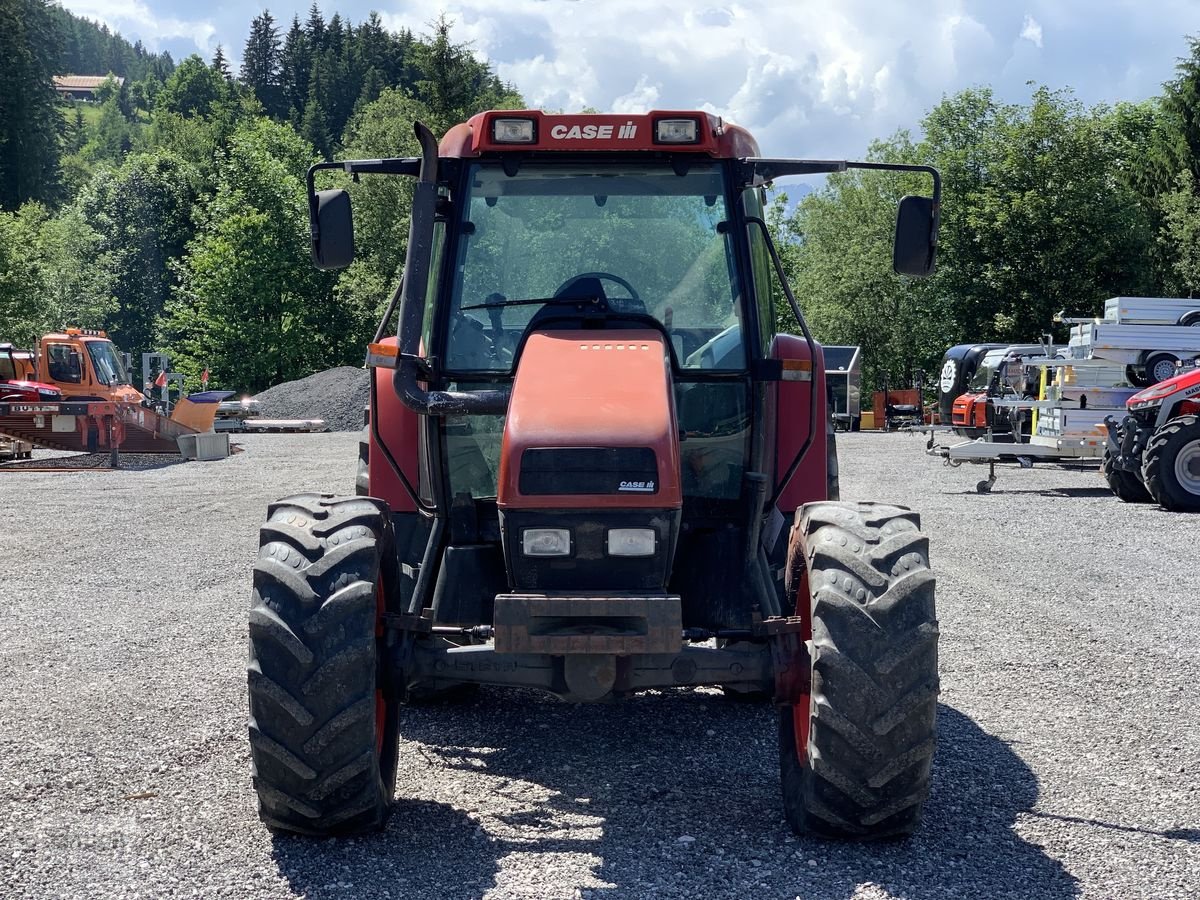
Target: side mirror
[[916, 237], [332, 227]]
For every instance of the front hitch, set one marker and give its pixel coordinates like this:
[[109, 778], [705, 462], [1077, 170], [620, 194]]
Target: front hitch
[[1125, 442]]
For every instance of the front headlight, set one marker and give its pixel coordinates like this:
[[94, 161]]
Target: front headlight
[[546, 542], [631, 541]]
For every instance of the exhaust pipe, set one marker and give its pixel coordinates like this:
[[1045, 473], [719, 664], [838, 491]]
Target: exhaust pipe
[[409, 370]]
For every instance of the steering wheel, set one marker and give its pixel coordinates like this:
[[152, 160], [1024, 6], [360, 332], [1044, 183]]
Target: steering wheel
[[606, 276]]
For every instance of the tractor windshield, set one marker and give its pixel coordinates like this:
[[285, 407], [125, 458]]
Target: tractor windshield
[[106, 363], [638, 236]]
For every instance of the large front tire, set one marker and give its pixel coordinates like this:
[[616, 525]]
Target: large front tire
[[323, 734], [856, 751], [1127, 486], [1171, 465]]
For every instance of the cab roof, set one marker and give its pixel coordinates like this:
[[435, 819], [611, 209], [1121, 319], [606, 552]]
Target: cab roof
[[592, 132]]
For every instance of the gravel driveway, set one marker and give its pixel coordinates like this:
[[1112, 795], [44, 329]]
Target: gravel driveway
[[1069, 761]]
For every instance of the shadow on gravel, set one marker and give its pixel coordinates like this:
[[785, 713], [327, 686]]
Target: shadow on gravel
[[427, 850], [1044, 492], [678, 793]]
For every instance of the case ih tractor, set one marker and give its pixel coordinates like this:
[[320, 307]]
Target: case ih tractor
[[585, 441], [1153, 454]]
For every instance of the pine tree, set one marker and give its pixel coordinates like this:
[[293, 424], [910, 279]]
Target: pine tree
[[296, 62], [220, 64], [315, 29], [261, 63], [30, 124]]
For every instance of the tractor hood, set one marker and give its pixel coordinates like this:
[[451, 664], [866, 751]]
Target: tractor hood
[[1186, 384], [591, 423], [32, 389]]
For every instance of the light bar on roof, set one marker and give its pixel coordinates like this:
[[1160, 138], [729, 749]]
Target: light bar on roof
[[513, 131], [676, 131]]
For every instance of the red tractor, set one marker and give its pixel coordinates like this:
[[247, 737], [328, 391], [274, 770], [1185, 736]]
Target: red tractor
[[16, 386], [584, 443], [1153, 454]]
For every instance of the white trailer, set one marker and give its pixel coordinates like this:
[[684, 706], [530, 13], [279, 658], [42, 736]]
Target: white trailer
[[1150, 336], [1152, 310]]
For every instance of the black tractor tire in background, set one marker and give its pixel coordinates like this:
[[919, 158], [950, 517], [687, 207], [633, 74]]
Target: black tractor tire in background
[[864, 770], [323, 730], [1171, 465], [362, 478], [1125, 485]]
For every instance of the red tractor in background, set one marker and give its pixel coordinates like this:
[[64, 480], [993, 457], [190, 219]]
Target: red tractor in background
[[1153, 454], [585, 441]]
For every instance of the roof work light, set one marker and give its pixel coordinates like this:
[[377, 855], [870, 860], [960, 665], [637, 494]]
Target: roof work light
[[676, 131], [513, 131]]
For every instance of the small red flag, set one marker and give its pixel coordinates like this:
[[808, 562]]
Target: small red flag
[[204, 376], [161, 380]]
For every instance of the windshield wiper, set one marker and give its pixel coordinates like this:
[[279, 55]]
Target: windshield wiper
[[530, 301]]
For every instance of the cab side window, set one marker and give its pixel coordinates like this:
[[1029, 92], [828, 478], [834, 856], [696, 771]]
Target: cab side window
[[63, 363]]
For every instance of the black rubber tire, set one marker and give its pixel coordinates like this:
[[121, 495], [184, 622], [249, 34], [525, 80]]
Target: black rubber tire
[[319, 764], [1125, 485], [873, 701], [1137, 377], [1158, 464], [1166, 361], [362, 477]]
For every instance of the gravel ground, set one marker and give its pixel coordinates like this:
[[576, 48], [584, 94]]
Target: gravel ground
[[1069, 762], [336, 395]]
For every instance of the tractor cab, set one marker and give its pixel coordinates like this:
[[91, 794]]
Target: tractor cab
[[586, 440], [17, 368], [84, 365]]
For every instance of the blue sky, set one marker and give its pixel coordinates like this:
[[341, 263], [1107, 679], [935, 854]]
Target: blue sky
[[809, 77]]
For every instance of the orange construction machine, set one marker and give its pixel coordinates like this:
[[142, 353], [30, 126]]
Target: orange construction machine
[[98, 408]]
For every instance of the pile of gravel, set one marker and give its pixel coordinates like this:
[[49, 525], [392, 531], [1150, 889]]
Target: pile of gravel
[[335, 395]]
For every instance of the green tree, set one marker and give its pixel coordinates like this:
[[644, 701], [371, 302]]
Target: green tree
[[193, 89], [453, 84], [52, 274], [1034, 220], [30, 123], [142, 211], [250, 304], [261, 63]]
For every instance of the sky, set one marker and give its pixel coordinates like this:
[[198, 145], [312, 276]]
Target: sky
[[811, 78]]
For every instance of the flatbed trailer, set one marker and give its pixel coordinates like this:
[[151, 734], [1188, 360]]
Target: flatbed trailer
[[269, 426], [91, 427], [1151, 310]]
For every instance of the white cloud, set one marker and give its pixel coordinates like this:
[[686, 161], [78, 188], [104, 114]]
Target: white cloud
[[1032, 31], [806, 76], [135, 20]]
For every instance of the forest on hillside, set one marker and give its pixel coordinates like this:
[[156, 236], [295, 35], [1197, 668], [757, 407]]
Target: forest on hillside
[[171, 211]]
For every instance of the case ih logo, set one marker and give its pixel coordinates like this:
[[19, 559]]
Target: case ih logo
[[626, 132], [641, 487]]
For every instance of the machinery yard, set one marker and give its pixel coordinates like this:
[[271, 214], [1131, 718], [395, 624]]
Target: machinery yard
[[1068, 761]]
